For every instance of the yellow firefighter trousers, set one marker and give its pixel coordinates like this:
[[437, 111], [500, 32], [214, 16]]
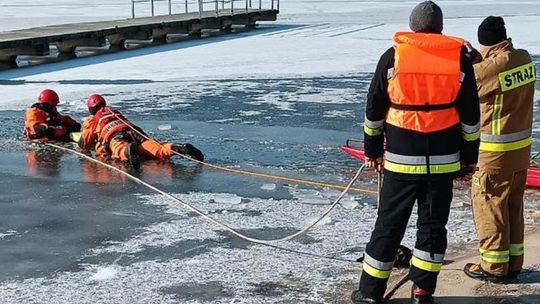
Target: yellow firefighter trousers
[[498, 214]]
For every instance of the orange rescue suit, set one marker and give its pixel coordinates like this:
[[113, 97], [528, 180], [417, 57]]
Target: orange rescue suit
[[110, 133], [42, 122], [423, 91]]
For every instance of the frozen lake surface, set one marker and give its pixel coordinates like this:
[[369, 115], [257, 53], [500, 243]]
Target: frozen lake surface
[[280, 99]]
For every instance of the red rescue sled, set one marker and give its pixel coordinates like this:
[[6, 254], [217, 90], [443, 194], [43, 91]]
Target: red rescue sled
[[533, 174]]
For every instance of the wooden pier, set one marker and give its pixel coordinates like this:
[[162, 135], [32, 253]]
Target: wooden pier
[[67, 37]]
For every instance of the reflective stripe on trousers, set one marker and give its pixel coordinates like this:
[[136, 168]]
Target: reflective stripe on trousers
[[418, 164], [495, 257], [376, 268], [517, 250], [427, 261], [506, 142]]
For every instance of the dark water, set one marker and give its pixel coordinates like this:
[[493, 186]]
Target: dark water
[[60, 206]]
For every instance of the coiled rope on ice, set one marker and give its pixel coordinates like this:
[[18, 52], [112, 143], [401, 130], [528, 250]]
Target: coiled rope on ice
[[209, 218]]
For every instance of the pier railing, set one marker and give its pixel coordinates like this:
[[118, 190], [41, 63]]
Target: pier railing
[[169, 7]]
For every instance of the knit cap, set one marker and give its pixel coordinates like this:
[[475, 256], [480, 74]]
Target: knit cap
[[492, 31], [426, 17]]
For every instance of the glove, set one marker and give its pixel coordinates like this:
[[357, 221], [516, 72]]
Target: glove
[[56, 132], [74, 128], [190, 150]]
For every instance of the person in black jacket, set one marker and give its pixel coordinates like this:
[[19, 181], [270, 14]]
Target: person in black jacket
[[422, 116]]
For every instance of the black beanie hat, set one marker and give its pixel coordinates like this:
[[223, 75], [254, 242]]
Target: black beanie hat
[[426, 17], [492, 31]]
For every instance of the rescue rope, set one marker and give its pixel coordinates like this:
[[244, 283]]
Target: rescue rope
[[252, 173], [211, 219], [403, 278]]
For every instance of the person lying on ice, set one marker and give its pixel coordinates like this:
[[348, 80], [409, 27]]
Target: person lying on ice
[[43, 122], [109, 133]]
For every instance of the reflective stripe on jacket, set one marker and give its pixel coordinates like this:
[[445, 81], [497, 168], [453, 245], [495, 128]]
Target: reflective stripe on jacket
[[108, 124], [506, 83]]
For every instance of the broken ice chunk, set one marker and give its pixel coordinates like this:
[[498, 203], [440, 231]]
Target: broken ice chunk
[[349, 204], [164, 127], [269, 187]]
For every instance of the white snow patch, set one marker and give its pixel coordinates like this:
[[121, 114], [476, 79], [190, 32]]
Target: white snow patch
[[337, 113], [311, 196], [250, 113], [225, 198], [327, 220], [7, 234], [225, 120], [280, 101], [105, 273]]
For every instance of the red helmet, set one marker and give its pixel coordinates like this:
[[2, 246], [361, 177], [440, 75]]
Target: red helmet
[[95, 100], [49, 97]]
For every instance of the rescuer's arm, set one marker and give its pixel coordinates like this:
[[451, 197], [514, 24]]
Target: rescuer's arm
[[377, 107], [36, 122], [468, 106], [88, 134], [487, 78], [69, 123]]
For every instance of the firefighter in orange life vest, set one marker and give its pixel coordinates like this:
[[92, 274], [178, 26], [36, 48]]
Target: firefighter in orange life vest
[[43, 122], [506, 80], [110, 133], [423, 101]]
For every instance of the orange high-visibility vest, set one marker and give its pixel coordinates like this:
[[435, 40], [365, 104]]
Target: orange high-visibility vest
[[425, 82]]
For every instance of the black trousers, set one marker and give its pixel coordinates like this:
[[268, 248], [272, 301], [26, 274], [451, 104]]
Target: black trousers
[[396, 204]]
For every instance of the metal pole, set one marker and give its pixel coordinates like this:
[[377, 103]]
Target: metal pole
[[217, 9], [152, 4], [232, 7], [247, 5], [272, 4], [278, 5], [132, 8], [250, 6], [200, 9], [223, 4], [260, 4], [186, 7], [170, 7]]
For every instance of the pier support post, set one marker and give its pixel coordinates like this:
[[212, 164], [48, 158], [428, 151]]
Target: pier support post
[[8, 57], [67, 48], [118, 40]]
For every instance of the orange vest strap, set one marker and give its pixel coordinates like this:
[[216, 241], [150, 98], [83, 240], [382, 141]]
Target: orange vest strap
[[423, 108]]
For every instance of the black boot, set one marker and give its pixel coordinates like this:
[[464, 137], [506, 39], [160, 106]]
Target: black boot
[[358, 298], [513, 274], [189, 150], [474, 271], [420, 296], [132, 154]]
